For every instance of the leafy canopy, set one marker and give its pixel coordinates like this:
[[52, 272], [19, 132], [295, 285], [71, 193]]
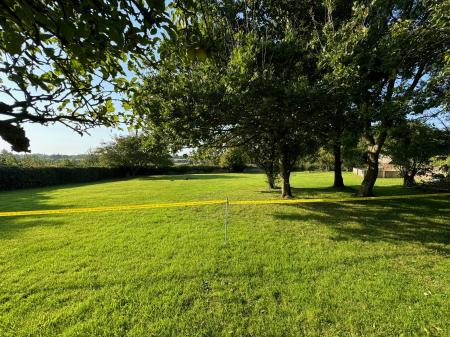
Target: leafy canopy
[[62, 61], [134, 152]]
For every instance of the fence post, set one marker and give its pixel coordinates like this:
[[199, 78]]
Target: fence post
[[226, 221]]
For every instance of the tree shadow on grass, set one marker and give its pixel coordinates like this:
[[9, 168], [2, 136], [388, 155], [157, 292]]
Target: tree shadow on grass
[[207, 176], [350, 191], [27, 200], [10, 227], [425, 221]]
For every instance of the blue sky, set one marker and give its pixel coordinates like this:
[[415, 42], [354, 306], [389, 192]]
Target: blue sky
[[58, 139]]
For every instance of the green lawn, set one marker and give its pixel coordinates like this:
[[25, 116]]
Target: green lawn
[[373, 268]]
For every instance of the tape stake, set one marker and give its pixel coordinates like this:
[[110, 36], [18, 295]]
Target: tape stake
[[226, 220]]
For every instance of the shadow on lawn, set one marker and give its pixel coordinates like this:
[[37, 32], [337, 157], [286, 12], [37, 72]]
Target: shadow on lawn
[[207, 176], [24, 200], [30, 199], [10, 227], [425, 221], [316, 192]]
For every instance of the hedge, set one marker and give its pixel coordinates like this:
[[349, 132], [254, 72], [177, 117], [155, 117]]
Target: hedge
[[16, 178]]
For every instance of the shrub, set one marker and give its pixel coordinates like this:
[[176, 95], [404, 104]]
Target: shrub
[[18, 177], [234, 160]]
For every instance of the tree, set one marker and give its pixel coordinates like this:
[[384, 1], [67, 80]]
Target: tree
[[353, 152], [62, 60], [324, 159], [335, 83], [204, 155], [234, 159], [135, 152], [443, 163], [339, 127], [256, 82], [264, 154], [8, 159], [393, 54], [90, 159], [412, 146]]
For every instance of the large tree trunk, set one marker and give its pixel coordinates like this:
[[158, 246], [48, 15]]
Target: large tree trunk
[[366, 189], [338, 180], [373, 154], [376, 143], [408, 180], [408, 177], [285, 173]]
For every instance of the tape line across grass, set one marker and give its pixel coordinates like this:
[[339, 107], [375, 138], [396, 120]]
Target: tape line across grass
[[212, 202]]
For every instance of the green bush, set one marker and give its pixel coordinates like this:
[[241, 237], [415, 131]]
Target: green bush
[[234, 160], [17, 177]]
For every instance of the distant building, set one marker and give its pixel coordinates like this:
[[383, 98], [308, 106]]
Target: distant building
[[385, 169], [180, 161]]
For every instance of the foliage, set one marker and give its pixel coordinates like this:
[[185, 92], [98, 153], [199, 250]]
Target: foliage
[[135, 152], [234, 159], [61, 61], [264, 153], [7, 159], [412, 145], [204, 155], [41, 160], [29, 177], [324, 159], [392, 54], [442, 162], [354, 154], [90, 159], [12, 178], [338, 117], [255, 84]]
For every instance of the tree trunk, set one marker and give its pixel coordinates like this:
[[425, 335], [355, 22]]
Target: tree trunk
[[271, 180], [373, 151], [133, 171], [373, 154], [408, 180], [338, 180], [270, 169], [366, 189], [285, 173], [408, 176]]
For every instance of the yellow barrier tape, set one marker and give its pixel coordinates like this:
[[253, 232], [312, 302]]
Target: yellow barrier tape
[[212, 202], [334, 200], [111, 208]]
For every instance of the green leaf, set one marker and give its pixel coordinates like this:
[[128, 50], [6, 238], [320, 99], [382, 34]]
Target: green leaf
[[13, 41], [126, 105], [109, 105], [159, 5], [68, 31]]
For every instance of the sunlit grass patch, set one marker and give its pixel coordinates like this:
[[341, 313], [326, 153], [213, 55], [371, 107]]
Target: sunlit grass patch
[[361, 268]]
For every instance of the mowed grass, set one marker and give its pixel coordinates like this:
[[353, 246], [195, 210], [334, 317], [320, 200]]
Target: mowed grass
[[373, 268]]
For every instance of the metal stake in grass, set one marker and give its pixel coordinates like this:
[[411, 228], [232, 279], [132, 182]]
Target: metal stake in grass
[[226, 220]]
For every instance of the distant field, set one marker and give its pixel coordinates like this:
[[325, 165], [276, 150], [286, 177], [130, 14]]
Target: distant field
[[373, 268]]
